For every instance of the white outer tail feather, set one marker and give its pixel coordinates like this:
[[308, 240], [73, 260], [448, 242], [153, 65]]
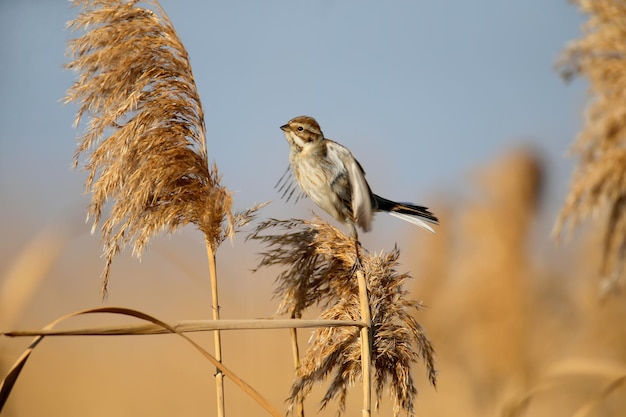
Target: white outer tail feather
[[412, 219]]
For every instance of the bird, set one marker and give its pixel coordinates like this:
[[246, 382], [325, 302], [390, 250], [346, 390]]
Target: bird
[[329, 174]]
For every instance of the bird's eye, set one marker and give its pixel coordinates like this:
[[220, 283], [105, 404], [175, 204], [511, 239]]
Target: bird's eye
[[300, 128]]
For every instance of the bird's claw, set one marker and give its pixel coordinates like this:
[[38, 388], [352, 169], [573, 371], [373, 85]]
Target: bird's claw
[[358, 265]]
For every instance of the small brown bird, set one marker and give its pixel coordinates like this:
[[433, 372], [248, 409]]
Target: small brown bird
[[329, 174]]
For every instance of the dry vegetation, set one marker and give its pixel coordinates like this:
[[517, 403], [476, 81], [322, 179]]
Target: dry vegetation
[[146, 133], [599, 183], [146, 155], [319, 261], [517, 325]]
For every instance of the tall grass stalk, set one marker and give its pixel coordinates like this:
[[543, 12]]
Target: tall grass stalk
[[295, 349], [217, 337], [25, 273], [366, 349], [146, 138]]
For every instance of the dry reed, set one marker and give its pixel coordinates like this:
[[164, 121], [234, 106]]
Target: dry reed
[[493, 269], [478, 282], [25, 273], [6, 385], [145, 140], [319, 262], [146, 137], [599, 181], [613, 374]]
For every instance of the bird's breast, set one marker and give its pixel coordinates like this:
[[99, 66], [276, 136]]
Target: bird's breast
[[315, 175]]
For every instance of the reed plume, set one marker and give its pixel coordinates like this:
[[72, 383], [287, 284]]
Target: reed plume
[[146, 138], [479, 274], [599, 180], [319, 262], [489, 300], [145, 142]]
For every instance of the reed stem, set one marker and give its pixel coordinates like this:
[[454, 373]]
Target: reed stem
[[366, 345], [219, 375], [295, 349]]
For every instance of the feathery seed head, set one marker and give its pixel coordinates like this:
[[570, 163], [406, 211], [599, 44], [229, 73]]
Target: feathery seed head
[[145, 138], [599, 180], [319, 263]]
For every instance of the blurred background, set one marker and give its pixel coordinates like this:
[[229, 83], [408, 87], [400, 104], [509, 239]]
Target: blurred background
[[453, 105]]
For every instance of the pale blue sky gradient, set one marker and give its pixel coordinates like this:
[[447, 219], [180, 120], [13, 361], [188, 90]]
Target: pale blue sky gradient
[[422, 92]]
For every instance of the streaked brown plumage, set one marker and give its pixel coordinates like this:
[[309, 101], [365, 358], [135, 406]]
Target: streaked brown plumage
[[329, 174]]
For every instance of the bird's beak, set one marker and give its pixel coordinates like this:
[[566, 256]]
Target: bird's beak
[[284, 128]]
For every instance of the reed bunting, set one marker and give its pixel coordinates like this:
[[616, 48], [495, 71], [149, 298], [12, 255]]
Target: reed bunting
[[329, 174]]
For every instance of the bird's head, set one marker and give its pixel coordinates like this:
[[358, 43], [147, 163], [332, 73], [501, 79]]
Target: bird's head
[[302, 131]]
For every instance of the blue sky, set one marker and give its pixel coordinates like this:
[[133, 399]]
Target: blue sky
[[422, 92]]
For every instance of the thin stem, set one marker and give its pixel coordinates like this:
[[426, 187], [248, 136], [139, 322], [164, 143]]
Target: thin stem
[[219, 375], [366, 346], [187, 326], [7, 384], [295, 349]]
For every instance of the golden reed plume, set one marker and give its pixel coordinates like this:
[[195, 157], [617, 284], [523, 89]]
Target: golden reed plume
[[319, 261], [599, 181], [145, 139]]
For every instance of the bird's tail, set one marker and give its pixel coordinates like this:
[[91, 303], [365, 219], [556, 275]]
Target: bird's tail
[[411, 213]]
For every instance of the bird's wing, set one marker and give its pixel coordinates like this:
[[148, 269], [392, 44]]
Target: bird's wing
[[361, 194], [288, 186]]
